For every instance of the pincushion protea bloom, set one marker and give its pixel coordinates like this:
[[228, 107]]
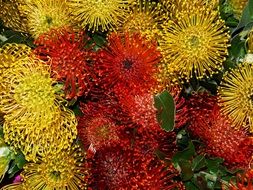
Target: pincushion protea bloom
[[236, 95], [118, 168], [34, 121], [96, 128], [64, 51], [129, 60], [64, 170], [215, 130], [99, 15], [195, 43], [43, 15], [145, 17], [9, 54], [10, 15]]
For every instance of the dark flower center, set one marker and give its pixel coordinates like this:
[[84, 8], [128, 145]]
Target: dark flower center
[[49, 20], [127, 64]]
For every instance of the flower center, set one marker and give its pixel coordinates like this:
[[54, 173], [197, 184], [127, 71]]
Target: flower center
[[194, 42], [49, 20], [34, 91], [127, 64]]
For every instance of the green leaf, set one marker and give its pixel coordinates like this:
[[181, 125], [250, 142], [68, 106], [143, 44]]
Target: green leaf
[[190, 186], [198, 163], [13, 169], [186, 170], [20, 160], [247, 17], [186, 154], [213, 164], [165, 105]]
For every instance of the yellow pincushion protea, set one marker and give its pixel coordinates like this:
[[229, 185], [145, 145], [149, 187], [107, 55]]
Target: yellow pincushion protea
[[236, 95], [195, 43], [66, 170], [10, 15], [43, 15], [99, 15], [176, 6], [145, 17], [34, 122], [10, 53], [250, 42]]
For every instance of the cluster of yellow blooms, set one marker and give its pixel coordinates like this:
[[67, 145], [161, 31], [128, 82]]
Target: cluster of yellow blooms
[[35, 122]]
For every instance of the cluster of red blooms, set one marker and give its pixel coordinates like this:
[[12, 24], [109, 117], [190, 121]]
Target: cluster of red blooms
[[215, 130], [118, 124]]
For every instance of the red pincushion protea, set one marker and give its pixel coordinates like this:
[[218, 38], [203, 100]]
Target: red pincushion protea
[[243, 182], [128, 60], [96, 130], [116, 168], [65, 51], [221, 140]]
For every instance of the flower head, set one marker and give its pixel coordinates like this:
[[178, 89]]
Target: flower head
[[145, 17], [96, 128], [43, 15], [65, 170], [221, 140], [129, 60], [123, 169], [34, 121], [236, 95], [99, 15], [64, 51], [195, 43]]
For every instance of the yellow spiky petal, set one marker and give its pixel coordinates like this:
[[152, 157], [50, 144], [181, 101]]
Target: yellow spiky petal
[[236, 95], [196, 43], [63, 171], [100, 15], [43, 15], [34, 122], [145, 17]]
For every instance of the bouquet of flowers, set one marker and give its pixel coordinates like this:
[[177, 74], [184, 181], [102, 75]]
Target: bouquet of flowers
[[126, 94]]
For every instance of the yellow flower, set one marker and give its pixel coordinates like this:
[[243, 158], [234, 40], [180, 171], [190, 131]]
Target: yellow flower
[[34, 121], [176, 6], [195, 43], [43, 15], [145, 17], [9, 54], [10, 15], [238, 6], [236, 95], [66, 170], [102, 15]]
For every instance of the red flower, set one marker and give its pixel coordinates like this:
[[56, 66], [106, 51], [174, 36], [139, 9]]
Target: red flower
[[64, 50], [221, 140], [116, 168], [128, 60], [243, 182], [97, 127]]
